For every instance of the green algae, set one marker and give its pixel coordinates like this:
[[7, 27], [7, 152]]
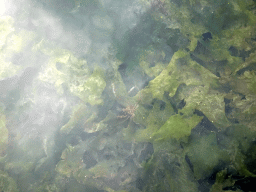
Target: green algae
[[176, 127]]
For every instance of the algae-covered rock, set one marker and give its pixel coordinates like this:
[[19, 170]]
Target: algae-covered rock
[[62, 68], [83, 117], [205, 154], [223, 180], [210, 103], [10, 44], [90, 91], [180, 70], [249, 78], [7, 183], [79, 113], [241, 109], [3, 135], [71, 162], [47, 183], [198, 80], [152, 61], [167, 170], [65, 69], [6, 28], [237, 141], [231, 25], [248, 62]]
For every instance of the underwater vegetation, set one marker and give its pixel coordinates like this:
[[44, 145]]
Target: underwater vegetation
[[169, 105]]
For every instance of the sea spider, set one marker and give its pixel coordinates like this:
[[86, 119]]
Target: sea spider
[[129, 112], [127, 104]]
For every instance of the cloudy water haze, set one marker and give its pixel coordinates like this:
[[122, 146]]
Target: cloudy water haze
[[127, 95]]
